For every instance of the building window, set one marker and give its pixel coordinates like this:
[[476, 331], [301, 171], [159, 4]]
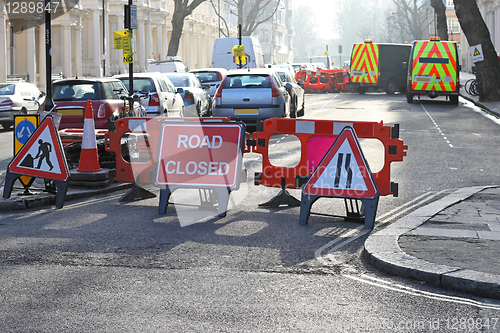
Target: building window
[[453, 26], [449, 3], [264, 35]]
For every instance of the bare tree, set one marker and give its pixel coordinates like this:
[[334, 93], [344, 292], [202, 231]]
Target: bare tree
[[182, 9], [477, 33], [250, 13], [219, 15], [304, 27], [412, 17], [364, 32], [441, 25]]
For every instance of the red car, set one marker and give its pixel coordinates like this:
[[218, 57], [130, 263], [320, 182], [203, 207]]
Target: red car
[[70, 98]]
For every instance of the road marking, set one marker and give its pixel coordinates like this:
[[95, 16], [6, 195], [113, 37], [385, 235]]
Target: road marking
[[383, 219], [480, 111], [323, 106], [436, 125], [415, 292], [71, 206]]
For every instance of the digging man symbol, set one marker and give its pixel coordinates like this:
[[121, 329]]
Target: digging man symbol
[[43, 153]]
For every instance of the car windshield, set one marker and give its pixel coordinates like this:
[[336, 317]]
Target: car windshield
[[140, 84], [248, 81], [7, 89], [68, 91], [179, 81], [207, 76]]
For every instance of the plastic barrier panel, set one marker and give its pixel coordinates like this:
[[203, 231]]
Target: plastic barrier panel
[[142, 134], [322, 133], [323, 80]]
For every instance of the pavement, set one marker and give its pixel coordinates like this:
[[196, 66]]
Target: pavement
[[452, 243]]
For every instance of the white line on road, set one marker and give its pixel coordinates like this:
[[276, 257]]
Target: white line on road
[[415, 292], [435, 124], [383, 219]]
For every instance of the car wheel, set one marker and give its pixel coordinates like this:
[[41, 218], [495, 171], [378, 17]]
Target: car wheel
[[302, 111], [362, 90], [409, 98], [165, 113], [390, 89], [198, 109], [293, 109], [23, 111], [6, 125], [454, 99]]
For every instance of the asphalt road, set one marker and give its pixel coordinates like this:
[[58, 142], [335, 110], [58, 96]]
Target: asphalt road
[[103, 265]]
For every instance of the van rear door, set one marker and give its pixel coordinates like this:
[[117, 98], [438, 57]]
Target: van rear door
[[434, 66], [364, 63]]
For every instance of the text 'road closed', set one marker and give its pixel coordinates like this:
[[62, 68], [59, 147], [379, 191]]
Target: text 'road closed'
[[200, 154]]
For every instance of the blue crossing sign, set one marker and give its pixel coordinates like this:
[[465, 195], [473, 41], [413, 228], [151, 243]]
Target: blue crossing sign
[[24, 126]]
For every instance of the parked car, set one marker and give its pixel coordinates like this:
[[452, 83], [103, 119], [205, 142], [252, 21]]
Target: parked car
[[163, 98], [197, 102], [284, 67], [211, 77], [296, 92], [171, 65], [70, 98], [252, 94], [17, 98]]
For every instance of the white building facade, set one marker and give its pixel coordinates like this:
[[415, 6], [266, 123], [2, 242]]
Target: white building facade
[[490, 10], [83, 45]]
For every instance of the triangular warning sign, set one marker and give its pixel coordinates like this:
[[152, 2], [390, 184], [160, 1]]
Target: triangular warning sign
[[42, 155], [343, 172], [476, 52]]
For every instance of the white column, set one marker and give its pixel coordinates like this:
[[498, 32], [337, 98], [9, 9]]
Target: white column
[[66, 29], [41, 58], [164, 42], [107, 35], [147, 38], [140, 45], [159, 42], [78, 51], [30, 50], [3, 47], [497, 27], [96, 44], [491, 22]]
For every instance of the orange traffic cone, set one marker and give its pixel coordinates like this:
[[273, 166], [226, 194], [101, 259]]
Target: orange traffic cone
[[89, 158]]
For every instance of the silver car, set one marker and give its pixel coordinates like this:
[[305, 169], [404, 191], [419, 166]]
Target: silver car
[[252, 94], [163, 98], [17, 98], [197, 101], [296, 92], [211, 77]]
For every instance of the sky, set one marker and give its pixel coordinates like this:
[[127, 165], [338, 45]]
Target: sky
[[323, 10]]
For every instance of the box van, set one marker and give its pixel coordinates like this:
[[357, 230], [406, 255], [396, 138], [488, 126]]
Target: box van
[[325, 60], [222, 55], [434, 70], [172, 64], [380, 66]]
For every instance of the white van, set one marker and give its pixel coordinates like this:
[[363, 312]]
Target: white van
[[325, 60], [171, 65], [222, 56]]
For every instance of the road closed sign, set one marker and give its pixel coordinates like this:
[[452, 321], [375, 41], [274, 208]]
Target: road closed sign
[[200, 155]]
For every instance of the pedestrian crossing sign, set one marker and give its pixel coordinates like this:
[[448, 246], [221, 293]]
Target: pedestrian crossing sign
[[42, 155]]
